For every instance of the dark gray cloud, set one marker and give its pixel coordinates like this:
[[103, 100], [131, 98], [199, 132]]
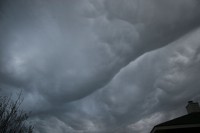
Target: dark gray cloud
[[100, 66]]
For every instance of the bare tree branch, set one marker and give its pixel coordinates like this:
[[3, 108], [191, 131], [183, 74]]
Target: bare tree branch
[[12, 118]]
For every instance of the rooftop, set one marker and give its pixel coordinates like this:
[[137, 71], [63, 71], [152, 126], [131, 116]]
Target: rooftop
[[193, 118]]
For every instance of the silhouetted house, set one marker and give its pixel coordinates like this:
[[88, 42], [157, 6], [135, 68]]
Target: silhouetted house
[[189, 123]]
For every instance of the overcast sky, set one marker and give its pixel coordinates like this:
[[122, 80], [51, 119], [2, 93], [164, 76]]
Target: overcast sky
[[100, 66]]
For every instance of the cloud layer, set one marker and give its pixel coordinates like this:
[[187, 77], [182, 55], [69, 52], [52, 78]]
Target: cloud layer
[[100, 66]]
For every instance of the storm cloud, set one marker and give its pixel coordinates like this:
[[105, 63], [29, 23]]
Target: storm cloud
[[100, 66]]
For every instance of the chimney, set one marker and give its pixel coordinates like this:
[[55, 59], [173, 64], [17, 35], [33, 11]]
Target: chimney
[[192, 107]]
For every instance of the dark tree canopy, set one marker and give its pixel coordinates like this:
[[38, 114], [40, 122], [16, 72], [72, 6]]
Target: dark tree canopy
[[12, 118]]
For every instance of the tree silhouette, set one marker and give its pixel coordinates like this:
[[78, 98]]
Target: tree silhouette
[[12, 118]]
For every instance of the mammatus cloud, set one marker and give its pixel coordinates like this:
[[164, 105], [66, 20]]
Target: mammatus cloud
[[100, 66]]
